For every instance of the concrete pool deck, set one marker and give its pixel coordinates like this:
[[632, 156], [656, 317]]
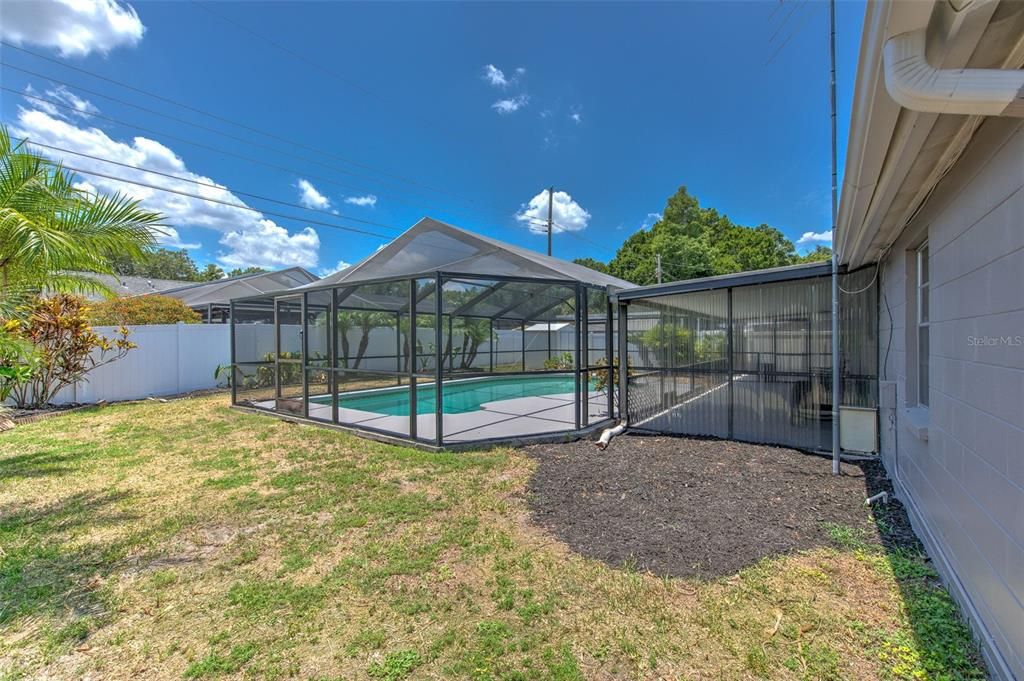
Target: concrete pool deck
[[518, 417]]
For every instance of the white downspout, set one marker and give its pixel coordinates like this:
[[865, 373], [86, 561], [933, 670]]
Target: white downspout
[[917, 85]]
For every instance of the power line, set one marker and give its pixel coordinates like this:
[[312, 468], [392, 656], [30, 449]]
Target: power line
[[317, 65], [209, 185], [240, 206], [207, 147], [196, 125], [807, 15], [777, 7], [218, 117], [796, 5]]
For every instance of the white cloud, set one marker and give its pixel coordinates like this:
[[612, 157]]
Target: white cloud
[[567, 215], [248, 237], [368, 200], [75, 28], [81, 108], [575, 117], [171, 239], [511, 105], [815, 237], [342, 265], [310, 197], [269, 245], [497, 77], [650, 220]]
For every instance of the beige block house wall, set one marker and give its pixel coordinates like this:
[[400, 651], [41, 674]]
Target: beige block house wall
[[960, 461]]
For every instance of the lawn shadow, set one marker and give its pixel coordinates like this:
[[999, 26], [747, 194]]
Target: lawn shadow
[[942, 646], [46, 568], [44, 462]]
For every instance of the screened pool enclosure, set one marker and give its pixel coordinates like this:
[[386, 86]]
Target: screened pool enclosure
[[442, 337]]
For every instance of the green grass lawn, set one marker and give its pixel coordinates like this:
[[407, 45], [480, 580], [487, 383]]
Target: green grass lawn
[[185, 540]]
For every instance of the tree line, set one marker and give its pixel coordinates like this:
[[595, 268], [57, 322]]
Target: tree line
[[694, 241], [166, 263]]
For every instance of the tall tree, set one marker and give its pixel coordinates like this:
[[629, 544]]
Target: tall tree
[[593, 264], [52, 235], [157, 263], [698, 242], [239, 271], [210, 273], [819, 254]]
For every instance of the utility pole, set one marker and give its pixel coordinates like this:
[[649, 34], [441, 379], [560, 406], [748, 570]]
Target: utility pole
[[835, 261], [657, 266], [551, 207]]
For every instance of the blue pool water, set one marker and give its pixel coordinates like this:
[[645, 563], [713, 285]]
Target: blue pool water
[[457, 397]]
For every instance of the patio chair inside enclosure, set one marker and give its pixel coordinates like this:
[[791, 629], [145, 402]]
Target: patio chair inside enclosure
[[443, 337]]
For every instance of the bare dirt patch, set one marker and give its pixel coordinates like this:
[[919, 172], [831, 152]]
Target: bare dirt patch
[[697, 507]]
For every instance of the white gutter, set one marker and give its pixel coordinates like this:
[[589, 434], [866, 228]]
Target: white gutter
[[917, 85]]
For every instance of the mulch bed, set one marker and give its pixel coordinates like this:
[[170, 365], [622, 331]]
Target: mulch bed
[[689, 507]]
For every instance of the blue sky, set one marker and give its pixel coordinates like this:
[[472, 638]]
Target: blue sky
[[401, 112]]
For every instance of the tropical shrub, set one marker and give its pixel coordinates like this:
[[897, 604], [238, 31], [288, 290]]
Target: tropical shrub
[[142, 310], [711, 346], [18, 361], [66, 347], [670, 343], [600, 378], [562, 361]]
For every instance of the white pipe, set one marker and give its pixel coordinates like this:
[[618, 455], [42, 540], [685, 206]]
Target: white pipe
[[917, 85], [608, 434], [881, 496]]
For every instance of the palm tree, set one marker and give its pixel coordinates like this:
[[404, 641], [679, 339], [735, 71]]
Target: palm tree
[[475, 331], [52, 235]]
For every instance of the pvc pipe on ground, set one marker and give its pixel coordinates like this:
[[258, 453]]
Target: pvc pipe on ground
[[881, 496], [608, 434]]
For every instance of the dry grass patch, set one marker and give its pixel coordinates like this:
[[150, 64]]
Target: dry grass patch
[[185, 540]]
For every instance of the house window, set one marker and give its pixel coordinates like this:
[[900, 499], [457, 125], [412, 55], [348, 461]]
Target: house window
[[922, 324]]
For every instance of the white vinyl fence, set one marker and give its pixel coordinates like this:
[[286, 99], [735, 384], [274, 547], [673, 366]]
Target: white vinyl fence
[[169, 359], [179, 358]]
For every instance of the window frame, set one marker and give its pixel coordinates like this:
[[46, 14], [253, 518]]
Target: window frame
[[922, 322]]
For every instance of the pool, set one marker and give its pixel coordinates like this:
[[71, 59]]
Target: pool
[[458, 397]]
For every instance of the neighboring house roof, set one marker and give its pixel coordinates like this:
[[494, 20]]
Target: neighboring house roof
[[131, 286], [431, 246], [221, 291], [896, 156]]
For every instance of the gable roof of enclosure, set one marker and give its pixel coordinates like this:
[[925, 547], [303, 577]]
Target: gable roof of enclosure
[[432, 246], [483, 278], [222, 291]]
